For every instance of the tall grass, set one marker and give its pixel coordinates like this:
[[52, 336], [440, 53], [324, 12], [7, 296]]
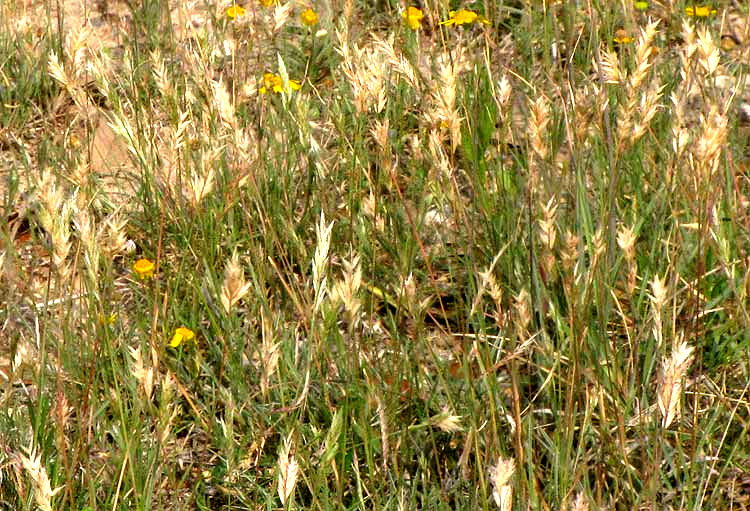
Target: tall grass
[[253, 262]]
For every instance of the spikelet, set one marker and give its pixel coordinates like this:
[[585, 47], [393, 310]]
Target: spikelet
[[43, 492], [500, 476], [223, 103], [708, 53], [548, 234], [626, 241], [671, 382], [112, 234], [580, 503], [288, 470], [61, 243], [142, 374], [522, 308], [643, 52], [346, 291], [163, 83], [446, 421], [538, 121], [235, 287], [320, 261], [504, 90], [281, 14], [658, 299], [609, 68]]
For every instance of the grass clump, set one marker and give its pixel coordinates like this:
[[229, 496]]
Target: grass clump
[[348, 255]]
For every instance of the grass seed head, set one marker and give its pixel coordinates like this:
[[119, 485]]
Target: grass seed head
[[539, 118], [500, 476], [43, 492], [235, 287], [671, 382], [288, 470]]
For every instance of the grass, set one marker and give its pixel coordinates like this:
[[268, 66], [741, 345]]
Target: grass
[[498, 264]]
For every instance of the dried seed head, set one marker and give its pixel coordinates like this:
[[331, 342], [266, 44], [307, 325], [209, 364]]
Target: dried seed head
[[200, 186], [709, 145], [446, 421], [658, 294], [114, 237], [547, 229], [235, 287], [161, 77], [281, 15], [288, 470], [347, 290], [670, 382], [87, 234], [609, 68], [626, 242], [61, 244], [522, 308], [320, 260], [581, 503], [504, 90], [500, 476], [538, 122], [223, 103], [643, 52], [51, 198], [32, 463], [569, 254], [143, 375], [708, 53]]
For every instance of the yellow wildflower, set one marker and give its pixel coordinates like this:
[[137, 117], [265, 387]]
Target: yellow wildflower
[[413, 17], [144, 268], [273, 82], [700, 11], [464, 17], [236, 11], [309, 18], [181, 334], [108, 319], [267, 3], [622, 37], [641, 5]]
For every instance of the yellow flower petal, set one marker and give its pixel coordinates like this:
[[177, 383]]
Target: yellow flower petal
[[236, 11], [144, 268], [700, 11], [464, 17], [180, 335], [413, 17], [309, 18]]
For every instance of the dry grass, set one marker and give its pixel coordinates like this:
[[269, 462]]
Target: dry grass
[[493, 264]]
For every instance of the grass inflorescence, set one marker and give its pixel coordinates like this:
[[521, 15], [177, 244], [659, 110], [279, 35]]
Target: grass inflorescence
[[372, 255]]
